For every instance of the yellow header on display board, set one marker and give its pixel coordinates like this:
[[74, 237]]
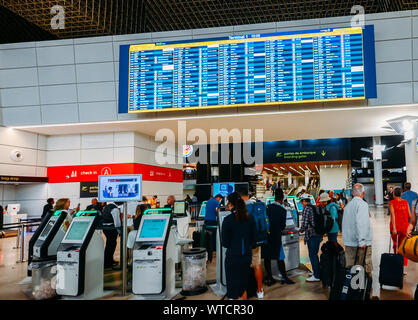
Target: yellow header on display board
[[335, 32]]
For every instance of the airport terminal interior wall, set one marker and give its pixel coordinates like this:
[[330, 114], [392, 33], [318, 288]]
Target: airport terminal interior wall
[[76, 80], [71, 150], [333, 178]]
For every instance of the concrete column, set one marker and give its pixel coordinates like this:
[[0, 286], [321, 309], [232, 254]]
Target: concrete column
[[411, 157], [378, 181]]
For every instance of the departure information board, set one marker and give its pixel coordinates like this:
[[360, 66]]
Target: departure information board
[[262, 69]]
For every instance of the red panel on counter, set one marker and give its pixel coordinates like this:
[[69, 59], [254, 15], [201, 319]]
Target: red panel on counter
[[91, 172]]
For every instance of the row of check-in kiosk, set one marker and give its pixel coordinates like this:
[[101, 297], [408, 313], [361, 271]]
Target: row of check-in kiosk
[[79, 251]]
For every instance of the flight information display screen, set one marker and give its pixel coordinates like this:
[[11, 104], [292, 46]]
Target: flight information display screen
[[261, 69]]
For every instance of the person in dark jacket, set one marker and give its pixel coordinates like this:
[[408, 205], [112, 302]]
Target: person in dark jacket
[[112, 222], [274, 248], [48, 207], [238, 237]]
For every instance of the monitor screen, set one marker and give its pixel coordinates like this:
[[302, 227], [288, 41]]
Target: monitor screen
[[299, 204], [179, 207], [289, 218], [47, 228], [223, 188], [153, 229], [120, 188], [202, 212], [77, 230], [329, 64]]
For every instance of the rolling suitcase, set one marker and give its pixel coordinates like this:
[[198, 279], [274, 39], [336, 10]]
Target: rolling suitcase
[[342, 289], [391, 269]]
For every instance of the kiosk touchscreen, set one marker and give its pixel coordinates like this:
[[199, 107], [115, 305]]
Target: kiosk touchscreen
[[219, 288], [153, 257], [313, 202], [80, 260], [299, 206], [179, 208], [50, 236]]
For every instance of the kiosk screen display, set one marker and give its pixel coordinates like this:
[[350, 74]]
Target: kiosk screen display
[[153, 229], [179, 207], [47, 229], [202, 212], [223, 188], [78, 230], [120, 188]]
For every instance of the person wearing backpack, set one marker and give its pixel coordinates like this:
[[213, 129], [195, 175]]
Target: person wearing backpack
[[238, 237], [274, 249], [312, 239], [332, 208], [258, 211]]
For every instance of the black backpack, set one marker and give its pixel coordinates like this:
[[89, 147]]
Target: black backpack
[[322, 220]]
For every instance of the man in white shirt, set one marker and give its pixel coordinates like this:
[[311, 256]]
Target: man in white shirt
[[357, 230]]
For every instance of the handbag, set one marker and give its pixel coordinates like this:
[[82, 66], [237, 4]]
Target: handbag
[[409, 247]]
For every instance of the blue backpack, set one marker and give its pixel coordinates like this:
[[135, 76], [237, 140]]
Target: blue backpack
[[259, 212]]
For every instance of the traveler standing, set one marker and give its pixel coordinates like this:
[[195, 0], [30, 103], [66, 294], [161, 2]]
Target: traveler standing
[[357, 230], [256, 252], [170, 202], [274, 248], [312, 239], [332, 207], [112, 220], [238, 237], [211, 216], [399, 220], [408, 194], [64, 204], [317, 202], [48, 207], [94, 205]]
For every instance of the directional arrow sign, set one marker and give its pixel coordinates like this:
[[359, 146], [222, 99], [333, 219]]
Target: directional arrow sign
[[323, 153]]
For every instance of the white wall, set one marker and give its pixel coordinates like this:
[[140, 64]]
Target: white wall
[[32, 147], [333, 178], [76, 80], [105, 148]]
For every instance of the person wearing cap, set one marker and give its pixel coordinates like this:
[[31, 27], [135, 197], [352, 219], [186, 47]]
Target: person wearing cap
[[211, 214], [332, 207], [311, 239]]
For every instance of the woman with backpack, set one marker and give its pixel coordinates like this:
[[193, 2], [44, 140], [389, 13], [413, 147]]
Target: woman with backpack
[[332, 207], [238, 237]]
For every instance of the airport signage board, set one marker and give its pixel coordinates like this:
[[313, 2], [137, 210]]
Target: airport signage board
[[89, 189], [331, 64], [90, 173], [120, 188], [17, 179]]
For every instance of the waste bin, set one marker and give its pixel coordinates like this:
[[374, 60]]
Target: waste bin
[[44, 278], [194, 271]]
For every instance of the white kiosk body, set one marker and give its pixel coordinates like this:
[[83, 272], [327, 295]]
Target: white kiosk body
[[291, 246], [154, 253], [219, 288], [80, 260]]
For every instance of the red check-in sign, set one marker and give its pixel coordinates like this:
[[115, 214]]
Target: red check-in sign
[[92, 172]]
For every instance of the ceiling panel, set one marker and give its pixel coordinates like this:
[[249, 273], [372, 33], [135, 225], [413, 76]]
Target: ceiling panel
[[112, 17]]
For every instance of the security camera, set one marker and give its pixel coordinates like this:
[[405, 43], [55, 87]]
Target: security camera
[[16, 155]]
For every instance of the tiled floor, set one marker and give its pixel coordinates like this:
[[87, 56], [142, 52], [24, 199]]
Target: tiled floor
[[11, 273]]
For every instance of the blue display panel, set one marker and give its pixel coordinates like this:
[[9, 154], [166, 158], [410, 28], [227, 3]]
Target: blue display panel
[[262, 69], [223, 189], [153, 229]]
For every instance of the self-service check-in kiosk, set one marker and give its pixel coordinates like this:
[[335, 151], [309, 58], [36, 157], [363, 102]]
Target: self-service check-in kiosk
[[80, 260], [219, 288], [45, 241], [200, 219], [153, 269], [291, 246], [46, 245]]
